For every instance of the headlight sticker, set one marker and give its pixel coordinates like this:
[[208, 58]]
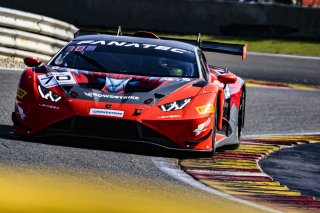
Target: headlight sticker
[[208, 108], [175, 105]]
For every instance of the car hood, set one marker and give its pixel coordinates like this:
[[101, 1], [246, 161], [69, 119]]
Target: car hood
[[110, 87]]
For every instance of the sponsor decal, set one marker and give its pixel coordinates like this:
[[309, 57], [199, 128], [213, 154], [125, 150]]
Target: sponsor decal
[[169, 116], [48, 95], [80, 48], [115, 85], [202, 127], [21, 112], [208, 108], [134, 45], [106, 112], [227, 92], [69, 48], [55, 78], [21, 93], [47, 80], [120, 97], [49, 106]]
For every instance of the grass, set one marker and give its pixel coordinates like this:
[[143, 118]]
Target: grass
[[293, 46]]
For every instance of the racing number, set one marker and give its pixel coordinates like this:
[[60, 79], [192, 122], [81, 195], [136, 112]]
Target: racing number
[[63, 78], [49, 79]]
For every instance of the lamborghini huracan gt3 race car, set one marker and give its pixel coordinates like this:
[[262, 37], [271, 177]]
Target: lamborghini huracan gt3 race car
[[137, 88]]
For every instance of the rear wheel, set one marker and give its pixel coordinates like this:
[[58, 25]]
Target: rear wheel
[[241, 113], [240, 122], [214, 130]]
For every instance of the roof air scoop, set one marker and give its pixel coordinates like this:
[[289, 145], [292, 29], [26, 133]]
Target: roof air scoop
[[119, 33], [199, 40]]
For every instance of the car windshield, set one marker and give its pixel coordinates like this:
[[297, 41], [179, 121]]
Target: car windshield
[[128, 58]]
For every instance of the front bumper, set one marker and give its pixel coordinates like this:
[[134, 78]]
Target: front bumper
[[72, 117], [119, 130]]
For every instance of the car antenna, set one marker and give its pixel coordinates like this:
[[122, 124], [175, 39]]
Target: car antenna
[[198, 40], [119, 33]]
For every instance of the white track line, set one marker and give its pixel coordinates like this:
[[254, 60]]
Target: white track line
[[284, 55], [174, 171]]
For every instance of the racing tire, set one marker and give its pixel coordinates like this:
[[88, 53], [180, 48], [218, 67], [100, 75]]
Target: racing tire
[[214, 131], [240, 122], [241, 115]]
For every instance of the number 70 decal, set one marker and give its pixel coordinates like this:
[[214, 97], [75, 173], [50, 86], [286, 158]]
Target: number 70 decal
[[56, 78]]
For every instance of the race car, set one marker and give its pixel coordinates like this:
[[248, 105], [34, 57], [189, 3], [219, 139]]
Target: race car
[[137, 88]]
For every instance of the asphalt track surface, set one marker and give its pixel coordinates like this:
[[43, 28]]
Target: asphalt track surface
[[297, 167], [269, 111]]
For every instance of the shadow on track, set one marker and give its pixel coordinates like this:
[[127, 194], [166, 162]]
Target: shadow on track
[[5, 131], [104, 145]]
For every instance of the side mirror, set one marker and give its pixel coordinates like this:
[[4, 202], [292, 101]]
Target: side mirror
[[227, 78], [32, 61]]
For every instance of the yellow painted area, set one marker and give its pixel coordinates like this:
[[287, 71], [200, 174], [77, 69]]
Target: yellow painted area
[[256, 83], [24, 190], [257, 146], [252, 183], [212, 161], [249, 188], [269, 185], [257, 150], [260, 192], [230, 166], [252, 152]]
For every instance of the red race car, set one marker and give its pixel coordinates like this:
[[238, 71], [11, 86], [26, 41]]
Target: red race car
[[137, 88]]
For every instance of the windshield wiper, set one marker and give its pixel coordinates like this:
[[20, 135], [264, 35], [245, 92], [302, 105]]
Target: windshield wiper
[[92, 61]]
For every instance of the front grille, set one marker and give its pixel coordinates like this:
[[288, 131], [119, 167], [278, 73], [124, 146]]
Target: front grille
[[111, 128], [108, 128]]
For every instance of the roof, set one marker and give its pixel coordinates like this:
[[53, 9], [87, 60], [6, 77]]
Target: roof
[[162, 42]]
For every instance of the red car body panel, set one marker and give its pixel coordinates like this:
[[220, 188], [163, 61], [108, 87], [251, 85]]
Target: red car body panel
[[189, 129]]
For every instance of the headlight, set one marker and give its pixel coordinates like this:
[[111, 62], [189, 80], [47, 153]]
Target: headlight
[[48, 95], [176, 105]]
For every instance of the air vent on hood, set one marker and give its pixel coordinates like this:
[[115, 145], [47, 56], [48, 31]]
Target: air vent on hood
[[40, 69], [158, 96], [200, 83]]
